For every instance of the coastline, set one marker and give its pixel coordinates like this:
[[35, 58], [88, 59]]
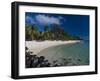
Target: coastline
[[36, 47]]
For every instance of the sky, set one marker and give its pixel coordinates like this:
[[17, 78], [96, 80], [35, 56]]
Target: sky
[[76, 25]]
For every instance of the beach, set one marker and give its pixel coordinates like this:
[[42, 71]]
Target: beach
[[58, 53], [37, 46]]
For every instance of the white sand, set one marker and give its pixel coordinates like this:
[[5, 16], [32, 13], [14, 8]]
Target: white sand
[[36, 47]]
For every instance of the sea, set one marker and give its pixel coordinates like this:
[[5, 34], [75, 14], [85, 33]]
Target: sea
[[77, 53]]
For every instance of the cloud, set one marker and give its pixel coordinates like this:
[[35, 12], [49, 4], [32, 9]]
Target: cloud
[[44, 19], [30, 20], [60, 17]]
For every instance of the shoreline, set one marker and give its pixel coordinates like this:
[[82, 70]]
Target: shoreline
[[37, 46]]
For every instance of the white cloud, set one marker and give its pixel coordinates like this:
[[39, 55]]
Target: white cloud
[[43, 19], [60, 17], [30, 20]]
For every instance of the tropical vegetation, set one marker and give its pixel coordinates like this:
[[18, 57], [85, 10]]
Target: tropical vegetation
[[55, 32]]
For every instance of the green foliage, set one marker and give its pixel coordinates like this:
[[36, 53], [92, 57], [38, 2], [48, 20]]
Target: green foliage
[[56, 33], [35, 28], [46, 28]]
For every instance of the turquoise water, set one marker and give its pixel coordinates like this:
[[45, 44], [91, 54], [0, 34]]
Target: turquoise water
[[77, 53]]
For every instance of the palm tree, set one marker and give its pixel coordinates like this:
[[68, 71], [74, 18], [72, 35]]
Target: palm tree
[[46, 28], [28, 33]]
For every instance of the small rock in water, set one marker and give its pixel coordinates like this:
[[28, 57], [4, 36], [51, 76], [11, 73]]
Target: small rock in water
[[69, 58], [26, 48], [79, 59]]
